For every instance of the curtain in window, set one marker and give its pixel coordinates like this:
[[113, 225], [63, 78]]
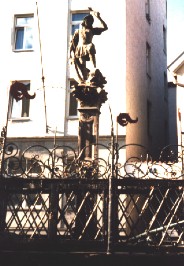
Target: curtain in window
[[25, 108], [16, 109], [19, 38]]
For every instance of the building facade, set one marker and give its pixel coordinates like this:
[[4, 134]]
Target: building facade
[[131, 55], [175, 93], [146, 75]]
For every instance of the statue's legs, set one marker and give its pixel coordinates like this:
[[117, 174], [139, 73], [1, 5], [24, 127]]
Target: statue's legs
[[93, 59], [81, 64]]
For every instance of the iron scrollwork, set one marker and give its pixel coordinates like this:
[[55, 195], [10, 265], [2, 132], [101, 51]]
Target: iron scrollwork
[[61, 162]]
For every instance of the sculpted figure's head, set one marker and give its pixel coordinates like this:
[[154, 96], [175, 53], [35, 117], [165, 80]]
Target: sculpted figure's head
[[88, 21]]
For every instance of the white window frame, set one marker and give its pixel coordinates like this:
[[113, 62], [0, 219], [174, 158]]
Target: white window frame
[[19, 106], [25, 28]]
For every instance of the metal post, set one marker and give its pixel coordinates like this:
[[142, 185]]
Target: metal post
[[113, 203], [53, 206], [3, 195], [110, 203]]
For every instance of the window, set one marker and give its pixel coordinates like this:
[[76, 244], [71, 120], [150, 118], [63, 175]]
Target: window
[[148, 59], [147, 10], [20, 109], [166, 137], [165, 87], [77, 18], [149, 107], [73, 104], [24, 33], [164, 39]]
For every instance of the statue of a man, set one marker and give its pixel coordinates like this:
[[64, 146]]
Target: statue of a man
[[82, 46]]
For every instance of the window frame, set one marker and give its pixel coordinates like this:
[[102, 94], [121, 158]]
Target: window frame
[[21, 102], [24, 26]]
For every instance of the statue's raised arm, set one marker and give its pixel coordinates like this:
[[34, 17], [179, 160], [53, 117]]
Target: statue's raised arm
[[97, 15]]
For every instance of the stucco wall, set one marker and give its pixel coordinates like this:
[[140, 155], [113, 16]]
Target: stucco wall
[[141, 87]]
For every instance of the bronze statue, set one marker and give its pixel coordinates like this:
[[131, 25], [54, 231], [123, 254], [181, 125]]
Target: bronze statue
[[82, 49]]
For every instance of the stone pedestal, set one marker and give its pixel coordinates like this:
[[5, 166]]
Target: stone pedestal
[[90, 98], [88, 132]]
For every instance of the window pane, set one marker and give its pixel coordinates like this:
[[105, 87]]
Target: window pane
[[19, 38], [28, 38], [25, 107], [78, 16], [16, 109], [15, 200], [74, 28], [73, 106], [33, 199], [24, 21], [25, 103], [77, 20]]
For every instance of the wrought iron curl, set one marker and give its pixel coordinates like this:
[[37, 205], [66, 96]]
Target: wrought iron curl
[[63, 161], [93, 169], [11, 165], [134, 166], [35, 161], [171, 154], [97, 167], [11, 149], [170, 163], [54, 163], [164, 170]]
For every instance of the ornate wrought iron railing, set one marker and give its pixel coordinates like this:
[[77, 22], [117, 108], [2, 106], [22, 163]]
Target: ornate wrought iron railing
[[63, 162], [53, 199]]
